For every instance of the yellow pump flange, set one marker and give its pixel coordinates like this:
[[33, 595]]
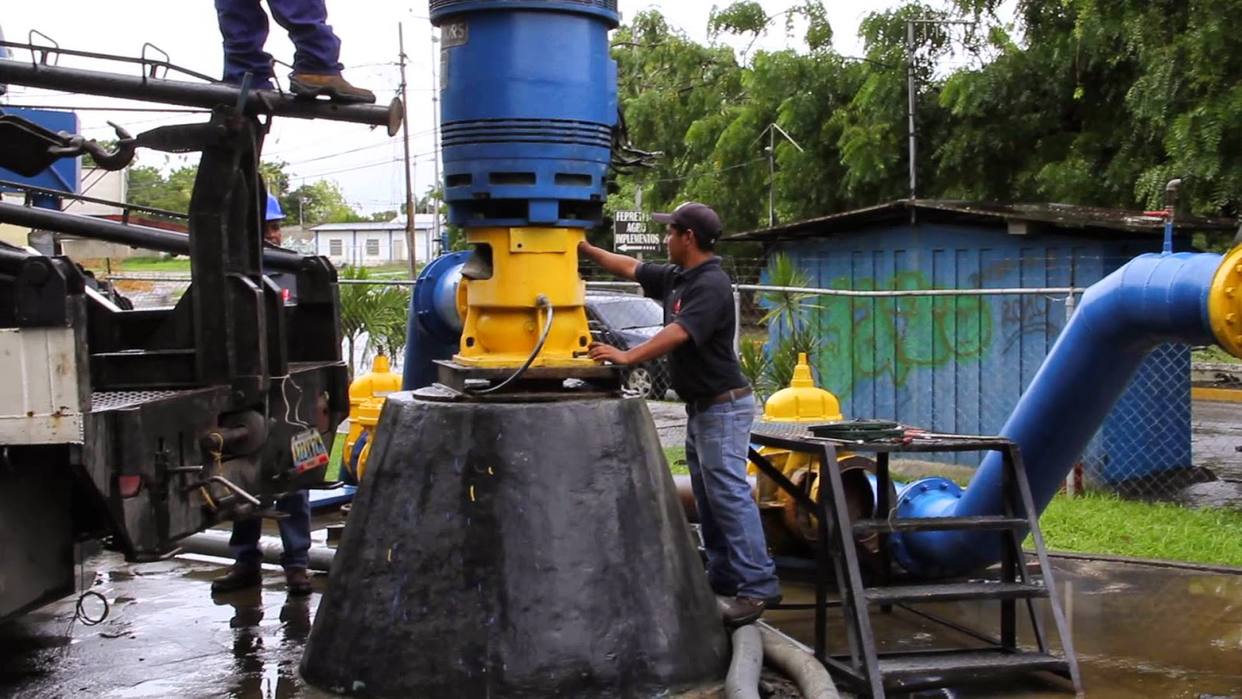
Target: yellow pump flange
[[513, 269], [1225, 303]]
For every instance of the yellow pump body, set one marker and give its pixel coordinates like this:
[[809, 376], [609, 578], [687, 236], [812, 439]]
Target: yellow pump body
[[501, 295]]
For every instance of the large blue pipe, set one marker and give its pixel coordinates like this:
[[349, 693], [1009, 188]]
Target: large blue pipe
[[1151, 300]]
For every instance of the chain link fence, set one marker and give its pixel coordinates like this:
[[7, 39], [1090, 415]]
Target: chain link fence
[[946, 360]]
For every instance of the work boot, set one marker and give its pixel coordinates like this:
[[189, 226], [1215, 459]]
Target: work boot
[[740, 611], [335, 87], [297, 582], [239, 577]]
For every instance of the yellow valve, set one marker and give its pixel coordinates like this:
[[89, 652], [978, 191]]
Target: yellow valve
[[368, 418], [514, 267], [378, 382], [1225, 303], [803, 401]]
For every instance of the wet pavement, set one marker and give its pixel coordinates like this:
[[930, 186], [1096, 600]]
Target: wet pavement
[[1216, 435], [1141, 631]]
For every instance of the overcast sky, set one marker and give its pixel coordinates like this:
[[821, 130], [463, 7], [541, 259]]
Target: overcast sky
[[366, 163]]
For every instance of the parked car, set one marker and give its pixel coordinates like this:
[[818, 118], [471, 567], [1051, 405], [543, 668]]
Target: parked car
[[626, 320]]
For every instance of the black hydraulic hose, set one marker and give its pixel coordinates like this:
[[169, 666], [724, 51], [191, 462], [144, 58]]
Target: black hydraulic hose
[[541, 302], [742, 681], [137, 236]]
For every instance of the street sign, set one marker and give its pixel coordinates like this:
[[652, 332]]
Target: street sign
[[632, 233]]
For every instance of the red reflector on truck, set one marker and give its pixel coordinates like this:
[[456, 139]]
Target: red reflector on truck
[[129, 485]]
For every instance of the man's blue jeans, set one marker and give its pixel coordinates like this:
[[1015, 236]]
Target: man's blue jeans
[[717, 439], [244, 25], [294, 534]]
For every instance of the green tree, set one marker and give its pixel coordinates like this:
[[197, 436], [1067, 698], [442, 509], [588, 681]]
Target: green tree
[[318, 202]]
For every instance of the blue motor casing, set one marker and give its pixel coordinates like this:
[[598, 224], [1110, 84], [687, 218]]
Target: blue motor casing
[[528, 105]]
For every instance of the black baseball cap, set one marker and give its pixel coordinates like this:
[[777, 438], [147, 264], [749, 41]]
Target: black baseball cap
[[694, 216]]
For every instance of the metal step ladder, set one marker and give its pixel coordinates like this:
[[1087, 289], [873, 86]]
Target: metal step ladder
[[864, 669]]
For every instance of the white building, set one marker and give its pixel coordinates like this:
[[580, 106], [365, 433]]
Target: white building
[[375, 244]]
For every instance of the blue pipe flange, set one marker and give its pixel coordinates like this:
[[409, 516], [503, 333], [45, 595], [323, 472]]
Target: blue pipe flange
[[927, 497]]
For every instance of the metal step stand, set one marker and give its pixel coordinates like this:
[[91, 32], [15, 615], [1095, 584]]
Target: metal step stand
[[864, 669]]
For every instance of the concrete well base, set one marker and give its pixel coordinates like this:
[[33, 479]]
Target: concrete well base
[[516, 550]]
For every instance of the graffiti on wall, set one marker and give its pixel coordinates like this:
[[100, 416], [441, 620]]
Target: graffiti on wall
[[872, 338]]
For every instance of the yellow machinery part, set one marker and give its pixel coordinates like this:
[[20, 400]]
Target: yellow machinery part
[[368, 418], [503, 321], [1225, 303], [787, 526], [802, 401], [377, 383]]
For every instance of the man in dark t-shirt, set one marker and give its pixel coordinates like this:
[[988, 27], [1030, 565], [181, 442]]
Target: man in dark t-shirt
[[699, 326]]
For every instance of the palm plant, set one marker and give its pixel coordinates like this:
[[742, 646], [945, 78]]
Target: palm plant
[[788, 312], [755, 366], [375, 310]]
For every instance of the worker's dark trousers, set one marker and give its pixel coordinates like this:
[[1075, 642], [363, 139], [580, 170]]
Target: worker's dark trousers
[[244, 25], [717, 439], [294, 534]]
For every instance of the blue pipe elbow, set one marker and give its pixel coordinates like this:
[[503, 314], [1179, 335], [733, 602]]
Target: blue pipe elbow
[[433, 329], [1151, 300]]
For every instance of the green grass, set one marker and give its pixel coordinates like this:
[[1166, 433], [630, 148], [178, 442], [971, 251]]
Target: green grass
[[1213, 355], [155, 264], [1106, 524], [676, 457]]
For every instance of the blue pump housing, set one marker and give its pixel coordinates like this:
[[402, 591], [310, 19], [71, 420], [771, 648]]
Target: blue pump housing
[[528, 105], [433, 330]]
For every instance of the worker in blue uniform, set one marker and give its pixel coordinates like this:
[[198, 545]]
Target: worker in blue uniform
[[316, 58], [294, 528]]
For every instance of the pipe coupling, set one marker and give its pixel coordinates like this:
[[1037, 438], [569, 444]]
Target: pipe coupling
[[1225, 303]]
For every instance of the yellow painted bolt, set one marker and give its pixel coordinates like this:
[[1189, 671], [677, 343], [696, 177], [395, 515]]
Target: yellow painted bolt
[[1229, 291], [1232, 319]]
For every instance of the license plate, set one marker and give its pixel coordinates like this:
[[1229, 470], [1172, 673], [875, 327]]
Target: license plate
[[308, 451]]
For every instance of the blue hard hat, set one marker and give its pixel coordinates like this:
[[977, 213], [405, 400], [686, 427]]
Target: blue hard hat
[[274, 212]]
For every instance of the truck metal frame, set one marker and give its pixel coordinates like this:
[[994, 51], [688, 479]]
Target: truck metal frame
[[148, 425]]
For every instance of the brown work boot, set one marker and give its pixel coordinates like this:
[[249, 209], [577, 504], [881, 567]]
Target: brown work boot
[[335, 87], [740, 611], [297, 582], [239, 577]]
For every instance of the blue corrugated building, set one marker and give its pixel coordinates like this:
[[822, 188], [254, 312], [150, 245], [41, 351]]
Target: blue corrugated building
[[959, 364]]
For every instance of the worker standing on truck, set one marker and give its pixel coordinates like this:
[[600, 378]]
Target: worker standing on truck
[[698, 334], [316, 59], [295, 528]]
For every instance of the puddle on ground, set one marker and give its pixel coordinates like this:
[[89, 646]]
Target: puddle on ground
[[1140, 631]]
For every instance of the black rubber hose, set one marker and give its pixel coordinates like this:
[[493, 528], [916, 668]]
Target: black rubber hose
[[743, 679], [541, 302]]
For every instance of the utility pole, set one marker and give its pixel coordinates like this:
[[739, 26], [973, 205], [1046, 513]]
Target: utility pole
[[771, 132], [435, 155], [912, 96], [911, 90], [410, 238]]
